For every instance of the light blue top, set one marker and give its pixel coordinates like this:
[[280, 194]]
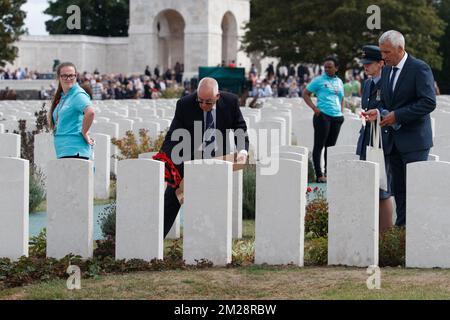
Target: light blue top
[[68, 118], [329, 92]]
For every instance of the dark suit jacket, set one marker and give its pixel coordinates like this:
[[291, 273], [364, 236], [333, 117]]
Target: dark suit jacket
[[188, 111], [371, 99], [413, 100]]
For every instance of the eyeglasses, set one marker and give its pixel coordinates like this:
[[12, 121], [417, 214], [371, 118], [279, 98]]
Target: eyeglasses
[[208, 103], [68, 76]]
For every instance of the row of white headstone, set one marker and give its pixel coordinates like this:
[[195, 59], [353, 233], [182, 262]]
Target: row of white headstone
[[207, 229], [291, 117]]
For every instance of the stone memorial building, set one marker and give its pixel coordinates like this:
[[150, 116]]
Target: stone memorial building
[[161, 32]]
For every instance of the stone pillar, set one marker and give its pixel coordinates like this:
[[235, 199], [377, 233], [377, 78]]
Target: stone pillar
[[353, 213], [70, 207], [140, 210], [280, 214], [102, 163], [196, 50], [208, 187], [14, 215], [44, 151], [10, 145], [427, 219]]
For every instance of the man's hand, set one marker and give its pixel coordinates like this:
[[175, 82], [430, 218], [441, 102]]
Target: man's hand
[[241, 158], [370, 115], [316, 111], [389, 119]]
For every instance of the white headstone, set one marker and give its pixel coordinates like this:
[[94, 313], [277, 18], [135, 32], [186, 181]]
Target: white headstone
[[174, 232], [237, 204], [341, 149], [353, 204], [111, 129], [9, 145], [14, 195], [70, 207], [102, 163], [208, 188], [124, 126], [280, 214], [349, 131], [140, 209], [153, 128], [427, 215], [44, 151]]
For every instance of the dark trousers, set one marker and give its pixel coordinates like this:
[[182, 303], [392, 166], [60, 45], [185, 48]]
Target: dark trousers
[[398, 162], [326, 132], [171, 208]]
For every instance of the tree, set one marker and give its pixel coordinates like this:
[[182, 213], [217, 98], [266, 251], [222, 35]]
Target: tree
[[308, 31], [443, 75], [104, 18], [11, 28]]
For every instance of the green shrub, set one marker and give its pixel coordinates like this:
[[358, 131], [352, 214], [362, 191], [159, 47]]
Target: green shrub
[[107, 220], [38, 245], [37, 188], [243, 252], [392, 247], [131, 147], [316, 218], [316, 252], [249, 191], [172, 93]]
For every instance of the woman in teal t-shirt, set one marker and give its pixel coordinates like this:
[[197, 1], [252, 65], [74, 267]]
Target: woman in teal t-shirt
[[71, 115], [328, 114]]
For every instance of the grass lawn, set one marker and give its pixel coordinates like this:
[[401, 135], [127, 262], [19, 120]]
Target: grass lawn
[[248, 282], [253, 282]]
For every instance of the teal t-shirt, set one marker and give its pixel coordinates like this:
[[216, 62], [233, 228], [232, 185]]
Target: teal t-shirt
[[329, 92], [68, 118]]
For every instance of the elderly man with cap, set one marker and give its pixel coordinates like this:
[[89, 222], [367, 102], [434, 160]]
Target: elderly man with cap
[[371, 99]]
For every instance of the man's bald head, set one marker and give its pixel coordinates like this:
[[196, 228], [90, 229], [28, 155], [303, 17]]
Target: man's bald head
[[207, 93]]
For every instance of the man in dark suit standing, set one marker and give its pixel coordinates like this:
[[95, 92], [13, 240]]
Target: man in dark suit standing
[[204, 118], [407, 99]]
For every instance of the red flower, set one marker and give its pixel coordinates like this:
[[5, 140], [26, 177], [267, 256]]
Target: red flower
[[171, 174], [308, 190], [316, 189]]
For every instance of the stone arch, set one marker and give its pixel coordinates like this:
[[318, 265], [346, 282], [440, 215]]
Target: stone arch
[[229, 37], [169, 28]]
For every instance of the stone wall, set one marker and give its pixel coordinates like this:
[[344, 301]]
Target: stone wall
[[108, 55]]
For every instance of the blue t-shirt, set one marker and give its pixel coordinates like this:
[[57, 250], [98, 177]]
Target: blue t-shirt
[[329, 92], [68, 118]]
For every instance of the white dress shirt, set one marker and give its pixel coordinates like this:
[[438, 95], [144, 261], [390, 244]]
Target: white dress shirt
[[213, 112], [400, 66]]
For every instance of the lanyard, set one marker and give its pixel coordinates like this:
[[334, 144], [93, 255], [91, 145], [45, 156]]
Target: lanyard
[[335, 89], [59, 109]]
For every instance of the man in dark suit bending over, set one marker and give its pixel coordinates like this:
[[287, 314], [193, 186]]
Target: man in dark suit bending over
[[407, 99], [204, 119]]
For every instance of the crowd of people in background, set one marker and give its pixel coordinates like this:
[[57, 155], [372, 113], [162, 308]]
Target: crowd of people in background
[[284, 81], [18, 74], [149, 85], [289, 81]]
